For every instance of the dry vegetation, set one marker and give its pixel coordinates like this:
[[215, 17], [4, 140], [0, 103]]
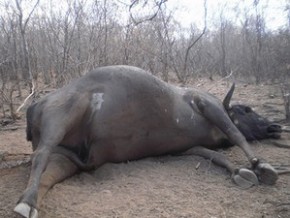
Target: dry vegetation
[[42, 49], [54, 43]]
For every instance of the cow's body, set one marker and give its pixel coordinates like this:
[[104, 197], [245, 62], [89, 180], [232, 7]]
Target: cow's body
[[121, 113], [133, 115]]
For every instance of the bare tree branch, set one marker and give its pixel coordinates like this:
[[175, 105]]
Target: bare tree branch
[[150, 18], [193, 43]]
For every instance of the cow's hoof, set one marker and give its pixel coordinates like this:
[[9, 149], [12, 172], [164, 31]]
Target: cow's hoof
[[266, 173], [245, 178], [26, 211]]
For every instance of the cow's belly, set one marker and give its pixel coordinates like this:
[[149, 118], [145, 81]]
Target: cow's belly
[[133, 139], [127, 126], [140, 145]]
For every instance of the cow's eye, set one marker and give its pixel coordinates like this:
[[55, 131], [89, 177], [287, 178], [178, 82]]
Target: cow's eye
[[248, 109]]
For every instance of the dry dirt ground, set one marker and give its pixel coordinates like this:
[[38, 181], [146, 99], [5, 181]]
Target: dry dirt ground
[[169, 186]]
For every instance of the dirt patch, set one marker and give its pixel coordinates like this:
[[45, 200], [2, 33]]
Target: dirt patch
[[168, 186]]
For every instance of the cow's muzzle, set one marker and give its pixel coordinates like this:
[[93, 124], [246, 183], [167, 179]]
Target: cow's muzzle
[[274, 131]]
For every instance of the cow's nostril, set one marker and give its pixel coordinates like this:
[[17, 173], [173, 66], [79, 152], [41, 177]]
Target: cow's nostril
[[274, 128]]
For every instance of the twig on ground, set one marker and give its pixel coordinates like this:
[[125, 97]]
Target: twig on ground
[[280, 145], [11, 128], [285, 128], [14, 163]]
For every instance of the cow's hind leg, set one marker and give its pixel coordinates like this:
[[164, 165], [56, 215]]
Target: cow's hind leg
[[218, 116], [243, 177], [40, 159], [58, 168], [44, 141]]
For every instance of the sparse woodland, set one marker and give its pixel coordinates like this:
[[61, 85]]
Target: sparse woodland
[[45, 44]]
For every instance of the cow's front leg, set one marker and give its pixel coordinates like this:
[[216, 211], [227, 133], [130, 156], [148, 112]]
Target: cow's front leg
[[58, 168], [266, 173], [243, 177], [215, 113]]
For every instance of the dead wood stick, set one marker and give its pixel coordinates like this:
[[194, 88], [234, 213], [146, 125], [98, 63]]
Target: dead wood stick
[[280, 145], [27, 98]]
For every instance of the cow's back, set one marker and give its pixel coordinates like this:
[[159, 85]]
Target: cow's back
[[128, 98]]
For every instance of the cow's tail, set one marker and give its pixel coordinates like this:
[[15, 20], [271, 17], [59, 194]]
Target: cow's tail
[[73, 157], [29, 118]]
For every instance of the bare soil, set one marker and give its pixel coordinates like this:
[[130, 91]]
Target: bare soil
[[169, 186]]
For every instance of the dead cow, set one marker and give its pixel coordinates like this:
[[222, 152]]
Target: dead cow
[[120, 113]]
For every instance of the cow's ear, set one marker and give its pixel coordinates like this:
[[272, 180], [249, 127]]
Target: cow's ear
[[227, 99]]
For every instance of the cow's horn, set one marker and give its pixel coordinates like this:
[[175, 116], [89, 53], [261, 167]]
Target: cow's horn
[[226, 101]]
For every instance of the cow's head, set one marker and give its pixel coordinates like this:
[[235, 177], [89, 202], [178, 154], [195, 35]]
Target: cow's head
[[252, 125]]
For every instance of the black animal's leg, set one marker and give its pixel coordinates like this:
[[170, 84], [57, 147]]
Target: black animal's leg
[[216, 114], [242, 177], [58, 168], [29, 197], [47, 141]]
